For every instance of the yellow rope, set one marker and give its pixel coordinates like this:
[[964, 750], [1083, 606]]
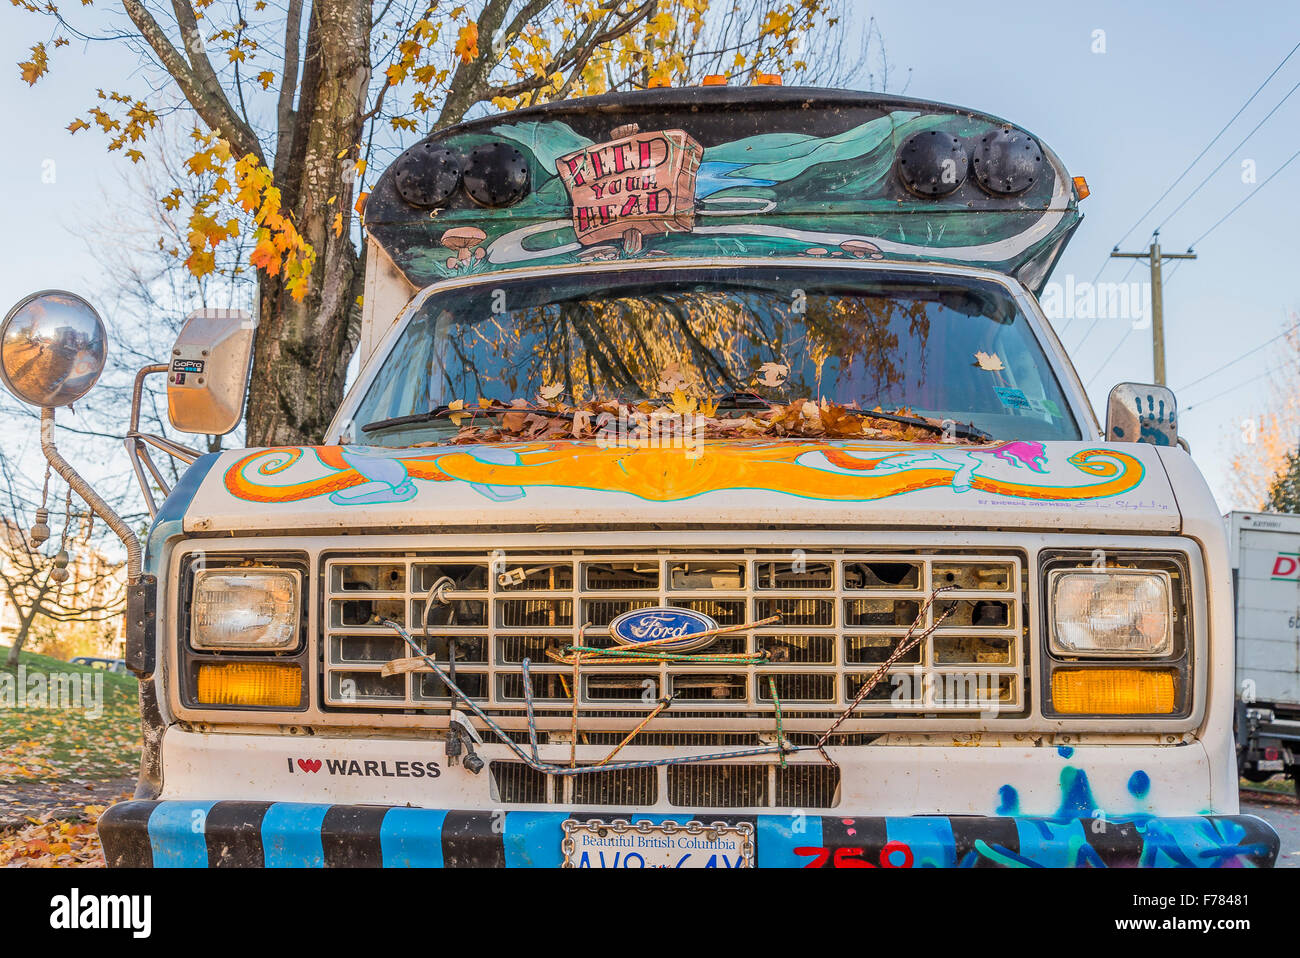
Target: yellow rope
[[663, 704]]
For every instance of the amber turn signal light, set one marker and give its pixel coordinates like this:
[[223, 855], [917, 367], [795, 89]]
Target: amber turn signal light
[[250, 683], [1114, 691]]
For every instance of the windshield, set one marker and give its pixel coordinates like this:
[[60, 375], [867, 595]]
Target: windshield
[[940, 346]]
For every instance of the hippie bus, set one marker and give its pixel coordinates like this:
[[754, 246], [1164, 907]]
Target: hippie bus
[[713, 492]]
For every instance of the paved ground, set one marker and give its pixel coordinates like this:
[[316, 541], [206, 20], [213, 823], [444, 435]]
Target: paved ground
[[21, 802], [1282, 811]]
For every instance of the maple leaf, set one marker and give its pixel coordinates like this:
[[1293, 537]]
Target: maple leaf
[[455, 411], [772, 374], [264, 256], [988, 361], [467, 42], [35, 68], [78, 124], [682, 404], [514, 421], [672, 378]]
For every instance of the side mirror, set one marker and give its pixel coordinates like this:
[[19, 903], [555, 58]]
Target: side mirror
[[52, 349], [1142, 413], [208, 373]]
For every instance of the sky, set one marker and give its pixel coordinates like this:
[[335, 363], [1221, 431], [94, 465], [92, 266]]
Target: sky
[[1126, 94]]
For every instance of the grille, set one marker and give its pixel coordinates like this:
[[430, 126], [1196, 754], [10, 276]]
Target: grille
[[690, 786], [842, 614]]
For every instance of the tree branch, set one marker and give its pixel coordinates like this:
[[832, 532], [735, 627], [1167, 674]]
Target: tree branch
[[285, 114], [196, 78]]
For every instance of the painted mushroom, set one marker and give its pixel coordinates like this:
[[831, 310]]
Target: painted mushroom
[[861, 249], [594, 254], [464, 240]]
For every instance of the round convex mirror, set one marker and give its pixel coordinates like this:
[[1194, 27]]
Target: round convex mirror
[[52, 348]]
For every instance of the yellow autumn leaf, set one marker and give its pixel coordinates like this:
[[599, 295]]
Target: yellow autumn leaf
[[35, 68], [467, 42], [682, 404]]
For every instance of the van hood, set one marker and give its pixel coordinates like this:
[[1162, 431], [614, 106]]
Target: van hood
[[1019, 484]]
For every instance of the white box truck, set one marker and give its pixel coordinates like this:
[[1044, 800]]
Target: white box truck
[[1266, 584]]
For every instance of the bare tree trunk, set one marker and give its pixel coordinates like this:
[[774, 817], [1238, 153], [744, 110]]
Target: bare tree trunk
[[303, 347], [25, 620]]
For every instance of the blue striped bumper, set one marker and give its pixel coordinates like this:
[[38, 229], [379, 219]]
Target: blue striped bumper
[[284, 834]]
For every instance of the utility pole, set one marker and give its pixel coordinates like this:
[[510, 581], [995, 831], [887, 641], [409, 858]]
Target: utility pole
[[1154, 257]]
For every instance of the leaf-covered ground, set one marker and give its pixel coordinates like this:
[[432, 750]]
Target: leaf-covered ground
[[60, 767]]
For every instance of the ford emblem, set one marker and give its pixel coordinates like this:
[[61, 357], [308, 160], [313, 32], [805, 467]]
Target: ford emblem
[[648, 625]]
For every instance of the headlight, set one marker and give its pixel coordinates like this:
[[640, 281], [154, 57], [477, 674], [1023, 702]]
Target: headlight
[[245, 609], [1116, 612]]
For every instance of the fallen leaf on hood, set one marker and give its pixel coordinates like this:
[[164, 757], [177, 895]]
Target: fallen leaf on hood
[[772, 374]]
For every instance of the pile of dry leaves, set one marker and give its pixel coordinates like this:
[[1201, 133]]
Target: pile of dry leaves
[[744, 417], [49, 842]]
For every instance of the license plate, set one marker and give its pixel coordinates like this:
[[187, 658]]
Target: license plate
[[1269, 765], [641, 844]]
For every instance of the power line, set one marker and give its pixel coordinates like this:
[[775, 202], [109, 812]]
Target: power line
[[1088, 332], [1226, 158], [1155, 258], [1182, 175], [1230, 389], [1246, 199], [1106, 362], [1242, 203], [1208, 146], [1231, 362]]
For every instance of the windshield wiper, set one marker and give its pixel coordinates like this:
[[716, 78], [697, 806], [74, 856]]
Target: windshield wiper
[[962, 431], [436, 412], [742, 400], [445, 412]]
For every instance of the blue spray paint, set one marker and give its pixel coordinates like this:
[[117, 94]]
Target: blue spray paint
[[1139, 783], [1008, 800], [1076, 794], [1065, 751]]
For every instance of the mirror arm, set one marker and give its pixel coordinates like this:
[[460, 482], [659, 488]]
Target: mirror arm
[[135, 453], [174, 449], [134, 557], [137, 393], [135, 440]]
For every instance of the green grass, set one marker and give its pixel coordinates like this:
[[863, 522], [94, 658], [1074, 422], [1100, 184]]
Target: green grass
[[1278, 783], [67, 744]]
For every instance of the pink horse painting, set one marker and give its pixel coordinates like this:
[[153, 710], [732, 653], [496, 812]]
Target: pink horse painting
[[965, 462]]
